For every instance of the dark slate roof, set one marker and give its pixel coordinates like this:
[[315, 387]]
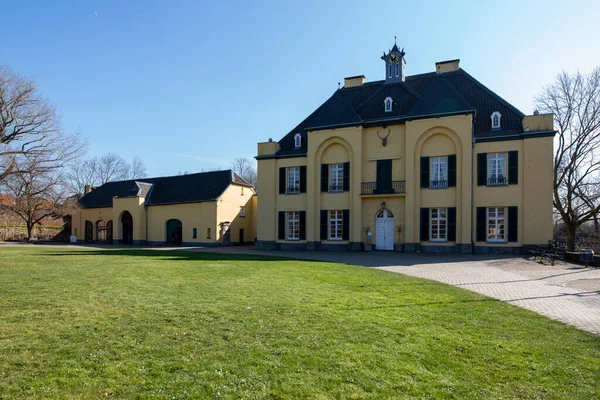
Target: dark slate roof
[[192, 188], [420, 96]]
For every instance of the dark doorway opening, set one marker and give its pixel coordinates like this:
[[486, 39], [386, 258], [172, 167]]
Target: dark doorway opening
[[127, 224], [241, 236], [109, 232], [89, 232], [174, 232]]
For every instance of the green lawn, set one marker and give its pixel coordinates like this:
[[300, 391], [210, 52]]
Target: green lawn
[[151, 324]]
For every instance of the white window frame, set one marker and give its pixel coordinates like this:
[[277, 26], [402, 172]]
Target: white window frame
[[297, 140], [440, 232], [336, 178], [495, 169], [496, 118], [496, 223], [336, 225], [388, 103], [293, 180], [293, 225], [438, 172], [242, 211]]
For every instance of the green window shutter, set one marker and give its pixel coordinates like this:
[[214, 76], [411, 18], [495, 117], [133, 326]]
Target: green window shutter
[[452, 170], [513, 167], [346, 181], [513, 224], [324, 177], [282, 180], [424, 224], [323, 224], [425, 172], [302, 225], [281, 224], [384, 177], [303, 179], [481, 223], [345, 224], [481, 169], [452, 224]]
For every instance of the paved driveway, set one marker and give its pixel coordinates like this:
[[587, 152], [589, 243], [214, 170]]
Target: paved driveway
[[565, 292]]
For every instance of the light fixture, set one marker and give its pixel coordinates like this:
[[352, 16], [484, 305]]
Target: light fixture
[[383, 204]]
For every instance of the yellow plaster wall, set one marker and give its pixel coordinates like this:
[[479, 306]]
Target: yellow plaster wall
[[135, 205], [89, 214], [228, 209], [373, 150], [538, 179], [192, 215]]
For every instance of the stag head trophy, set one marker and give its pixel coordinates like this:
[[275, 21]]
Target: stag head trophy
[[384, 139]]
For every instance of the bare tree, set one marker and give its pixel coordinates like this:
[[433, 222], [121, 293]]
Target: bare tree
[[246, 169], [97, 171], [26, 119], [37, 181], [574, 99]]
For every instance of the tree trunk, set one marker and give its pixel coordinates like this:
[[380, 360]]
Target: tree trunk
[[29, 231], [596, 223], [571, 229]]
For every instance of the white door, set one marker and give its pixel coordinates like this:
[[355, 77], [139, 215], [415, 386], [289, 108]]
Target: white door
[[384, 231]]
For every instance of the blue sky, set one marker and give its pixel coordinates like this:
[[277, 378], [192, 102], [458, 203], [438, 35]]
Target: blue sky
[[188, 85]]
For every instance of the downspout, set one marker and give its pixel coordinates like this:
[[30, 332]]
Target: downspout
[[473, 173]]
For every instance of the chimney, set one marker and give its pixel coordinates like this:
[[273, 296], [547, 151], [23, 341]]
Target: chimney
[[447, 66], [87, 189], [353, 81]]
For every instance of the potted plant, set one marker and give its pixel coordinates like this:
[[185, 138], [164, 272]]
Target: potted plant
[[368, 244], [399, 247]]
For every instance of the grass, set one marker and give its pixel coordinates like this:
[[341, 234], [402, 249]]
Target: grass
[[150, 324]]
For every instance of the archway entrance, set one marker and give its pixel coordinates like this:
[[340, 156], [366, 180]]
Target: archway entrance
[[174, 232], [89, 232], [101, 231], [384, 230], [109, 232], [127, 227]]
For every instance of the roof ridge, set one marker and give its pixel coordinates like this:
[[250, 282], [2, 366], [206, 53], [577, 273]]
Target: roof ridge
[[490, 92]]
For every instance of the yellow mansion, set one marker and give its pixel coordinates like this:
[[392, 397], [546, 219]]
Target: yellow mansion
[[432, 162]]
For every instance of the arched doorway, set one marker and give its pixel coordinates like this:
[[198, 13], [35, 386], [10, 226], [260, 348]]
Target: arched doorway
[[174, 232], [127, 227], [384, 230], [89, 232], [101, 231]]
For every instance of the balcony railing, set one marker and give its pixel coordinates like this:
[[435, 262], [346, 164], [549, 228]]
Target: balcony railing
[[499, 181], [373, 188], [439, 184], [293, 190]]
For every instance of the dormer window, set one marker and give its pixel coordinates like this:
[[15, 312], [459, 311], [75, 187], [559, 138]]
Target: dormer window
[[388, 104], [297, 140], [496, 120]]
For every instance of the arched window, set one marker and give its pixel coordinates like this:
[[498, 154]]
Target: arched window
[[398, 69], [390, 72], [496, 120], [388, 104], [297, 140]]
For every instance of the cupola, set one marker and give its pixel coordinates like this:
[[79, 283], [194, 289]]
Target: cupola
[[395, 64]]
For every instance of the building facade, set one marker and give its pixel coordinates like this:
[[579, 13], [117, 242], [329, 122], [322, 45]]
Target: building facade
[[433, 162], [205, 209]]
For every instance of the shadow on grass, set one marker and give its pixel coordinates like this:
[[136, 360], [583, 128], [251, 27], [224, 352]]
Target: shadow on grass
[[167, 255]]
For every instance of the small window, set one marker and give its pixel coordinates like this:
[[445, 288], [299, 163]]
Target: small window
[[390, 68], [438, 225], [336, 178], [293, 186], [297, 140], [194, 233], [497, 169], [398, 69], [496, 223], [293, 225], [439, 173], [496, 120], [208, 233], [336, 220], [388, 104], [242, 211]]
